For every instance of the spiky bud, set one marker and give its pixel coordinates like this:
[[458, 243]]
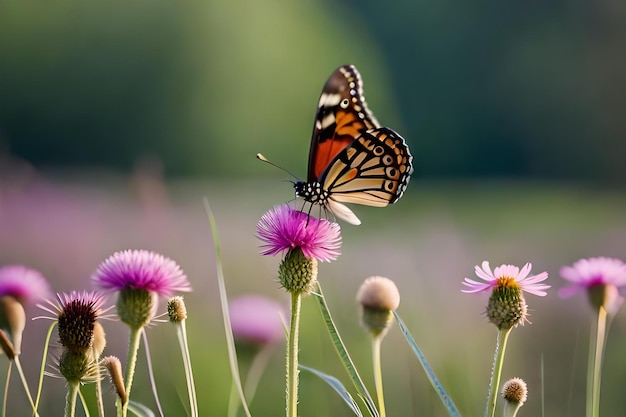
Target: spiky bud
[[297, 273], [507, 307], [176, 309]]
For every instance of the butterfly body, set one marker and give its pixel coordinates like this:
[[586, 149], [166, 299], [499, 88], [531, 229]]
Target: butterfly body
[[352, 158]]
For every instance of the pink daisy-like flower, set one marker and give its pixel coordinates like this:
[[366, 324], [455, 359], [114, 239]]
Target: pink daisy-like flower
[[283, 228], [590, 272], [257, 319], [507, 275], [141, 270], [25, 284]]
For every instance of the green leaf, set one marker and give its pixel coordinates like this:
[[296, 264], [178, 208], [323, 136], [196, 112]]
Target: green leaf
[[344, 356], [338, 387], [443, 395], [230, 340], [139, 409]]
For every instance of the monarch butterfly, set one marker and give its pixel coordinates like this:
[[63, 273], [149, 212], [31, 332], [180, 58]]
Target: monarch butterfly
[[352, 158]]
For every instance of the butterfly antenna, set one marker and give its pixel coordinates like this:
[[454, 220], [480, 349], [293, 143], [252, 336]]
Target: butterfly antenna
[[264, 159]]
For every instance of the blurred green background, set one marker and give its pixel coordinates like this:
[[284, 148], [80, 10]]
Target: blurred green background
[[116, 118]]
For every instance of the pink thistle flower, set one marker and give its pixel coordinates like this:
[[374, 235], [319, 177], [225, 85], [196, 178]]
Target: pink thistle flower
[[141, 270], [283, 228], [507, 276], [589, 272], [24, 284], [90, 302], [600, 277], [257, 319]]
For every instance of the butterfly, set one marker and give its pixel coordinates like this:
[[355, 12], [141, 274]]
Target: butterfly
[[352, 158]]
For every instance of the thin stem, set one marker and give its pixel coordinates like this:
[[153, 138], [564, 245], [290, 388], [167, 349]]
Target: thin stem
[[43, 364], [6, 390], [151, 374], [378, 374], [292, 356], [594, 368], [83, 401], [498, 361], [131, 362], [118, 407], [70, 399], [181, 331], [233, 400], [99, 401], [20, 371]]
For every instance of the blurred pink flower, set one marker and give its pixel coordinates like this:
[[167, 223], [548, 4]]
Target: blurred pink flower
[[257, 319], [143, 270], [283, 228], [25, 284], [507, 275], [589, 272]]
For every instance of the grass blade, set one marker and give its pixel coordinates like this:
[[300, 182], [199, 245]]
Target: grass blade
[[344, 356], [335, 384], [230, 341], [443, 395]]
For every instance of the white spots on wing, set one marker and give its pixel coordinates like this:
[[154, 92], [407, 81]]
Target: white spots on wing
[[329, 99], [328, 120]]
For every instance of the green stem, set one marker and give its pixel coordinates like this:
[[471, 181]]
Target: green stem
[[43, 364], [498, 361], [378, 374], [292, 356], [155, 393], [233, 400], [20, 371], [99, 401], [184, 348], [6, 390], [70, 399], [131, 362], [594, 366], [83, 401]]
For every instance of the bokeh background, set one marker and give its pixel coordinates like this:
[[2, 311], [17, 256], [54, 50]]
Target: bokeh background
[[117, 118]]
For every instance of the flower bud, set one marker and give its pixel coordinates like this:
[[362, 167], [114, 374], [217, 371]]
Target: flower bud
[[297, 273], [12, 320], [507, 307], [515, 391], [136, 307], [114, 367], [378, 297], [176, 309]]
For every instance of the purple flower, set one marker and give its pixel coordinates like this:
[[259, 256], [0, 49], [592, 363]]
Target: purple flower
[[80, 334], [257, 319], [141, 270], [283, 228], [590, 272], [507, 276], [25, 284], [90, 301]]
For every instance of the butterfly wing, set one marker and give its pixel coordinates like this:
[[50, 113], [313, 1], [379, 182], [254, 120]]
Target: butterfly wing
[[342, 115], [374, 170]]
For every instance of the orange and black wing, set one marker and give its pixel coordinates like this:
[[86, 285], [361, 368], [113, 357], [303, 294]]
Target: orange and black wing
[[374, 170], [342, 116]]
